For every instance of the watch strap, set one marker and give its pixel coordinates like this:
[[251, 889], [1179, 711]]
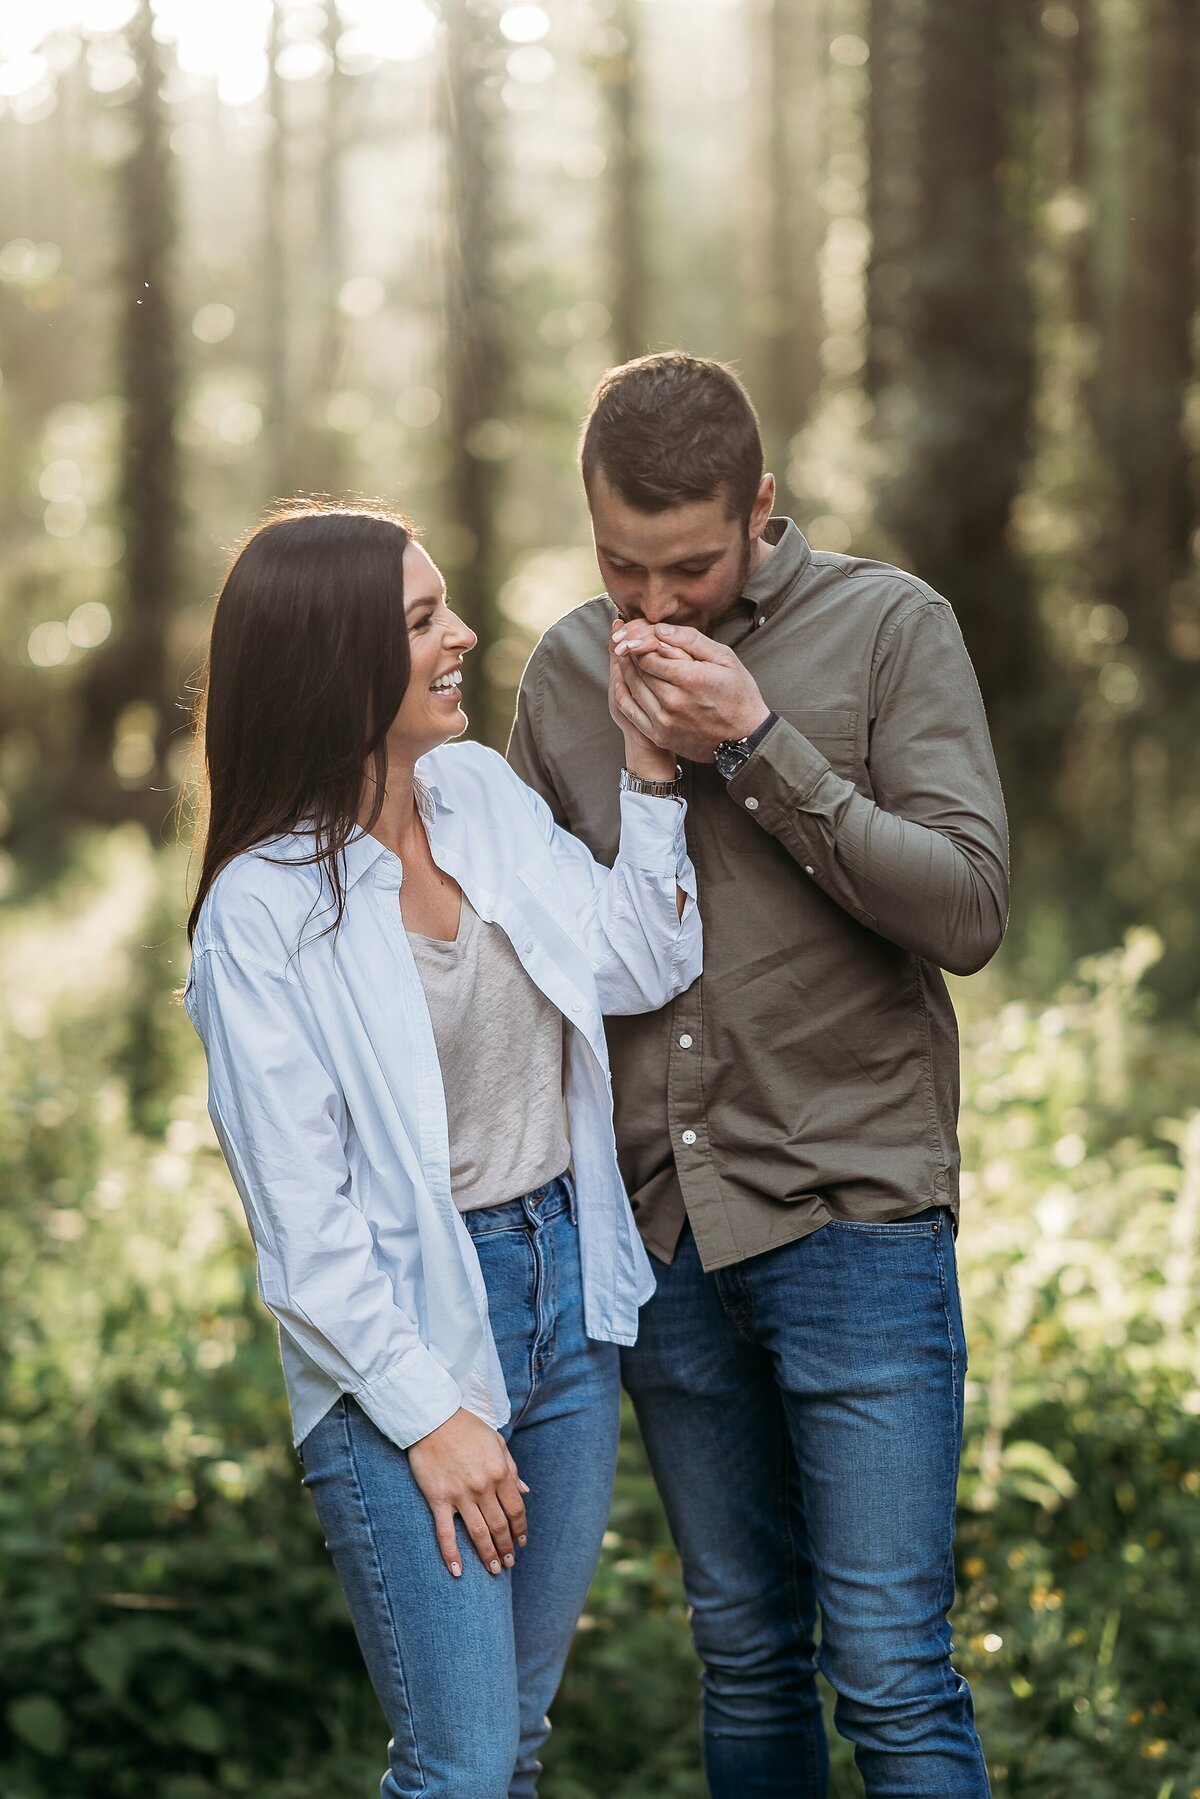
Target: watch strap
[[662, 790]]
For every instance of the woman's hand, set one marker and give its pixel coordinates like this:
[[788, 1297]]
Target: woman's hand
[[464, 1466], [643, 757]]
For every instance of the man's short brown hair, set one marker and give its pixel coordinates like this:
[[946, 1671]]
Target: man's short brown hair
[[668, 429]]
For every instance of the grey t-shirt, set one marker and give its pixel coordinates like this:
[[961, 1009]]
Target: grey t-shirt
[[500, 1043]]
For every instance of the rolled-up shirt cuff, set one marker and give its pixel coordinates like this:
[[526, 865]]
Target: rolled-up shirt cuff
[[652, 834], [784, 772], [412, 1398]]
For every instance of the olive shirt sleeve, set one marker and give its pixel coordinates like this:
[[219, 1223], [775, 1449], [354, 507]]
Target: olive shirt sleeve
[[523, 753], [924, 860]]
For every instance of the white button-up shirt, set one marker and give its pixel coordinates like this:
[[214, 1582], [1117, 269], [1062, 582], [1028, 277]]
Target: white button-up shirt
[[326, 1094]]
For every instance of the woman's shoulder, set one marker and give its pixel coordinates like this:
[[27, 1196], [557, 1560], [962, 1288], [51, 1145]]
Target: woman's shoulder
[[256, 899]]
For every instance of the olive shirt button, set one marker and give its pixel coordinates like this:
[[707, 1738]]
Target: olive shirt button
[[689, 1137], [752, 804]]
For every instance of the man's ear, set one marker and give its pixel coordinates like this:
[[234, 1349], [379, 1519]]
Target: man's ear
[[764, 505]]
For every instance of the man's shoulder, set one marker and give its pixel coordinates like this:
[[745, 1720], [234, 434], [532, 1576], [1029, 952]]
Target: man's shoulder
[[893, 592], [578, 640]]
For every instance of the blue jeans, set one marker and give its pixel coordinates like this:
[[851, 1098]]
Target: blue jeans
[[802, 1412], [465, 1669]]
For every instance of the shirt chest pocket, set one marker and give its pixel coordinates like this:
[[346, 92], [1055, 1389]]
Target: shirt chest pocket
[[835, 734]]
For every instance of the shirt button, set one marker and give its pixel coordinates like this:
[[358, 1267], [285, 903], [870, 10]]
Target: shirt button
[[762, 618], [808, 868], [752, 804], [577, 1005], [685, 1042], [689, 1137]]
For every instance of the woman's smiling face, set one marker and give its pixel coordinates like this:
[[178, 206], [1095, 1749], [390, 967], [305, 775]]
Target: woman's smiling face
[[431, 710]]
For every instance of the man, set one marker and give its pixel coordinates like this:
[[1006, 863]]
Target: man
[[787, 1127]]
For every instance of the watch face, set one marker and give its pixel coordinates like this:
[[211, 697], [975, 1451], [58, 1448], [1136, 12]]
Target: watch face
[[729, 758]]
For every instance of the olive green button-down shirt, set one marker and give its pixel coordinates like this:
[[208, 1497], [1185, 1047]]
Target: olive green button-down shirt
[[812, 1070]]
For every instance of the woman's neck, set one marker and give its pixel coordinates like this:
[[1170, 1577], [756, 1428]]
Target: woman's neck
[[398, 819]]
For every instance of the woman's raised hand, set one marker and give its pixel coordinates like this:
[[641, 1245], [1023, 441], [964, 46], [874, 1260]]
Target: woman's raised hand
[[464, 1467]]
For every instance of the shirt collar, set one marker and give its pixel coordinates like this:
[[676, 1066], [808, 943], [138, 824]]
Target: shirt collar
[[776, 576], [363, 850]]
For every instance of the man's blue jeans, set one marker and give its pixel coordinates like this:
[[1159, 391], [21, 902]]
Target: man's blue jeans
[[802, 1411], [465, 1669]]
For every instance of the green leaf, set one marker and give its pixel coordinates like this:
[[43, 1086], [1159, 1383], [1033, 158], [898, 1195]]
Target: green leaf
[[107, 1656], [40, 1722], [199, 1728]]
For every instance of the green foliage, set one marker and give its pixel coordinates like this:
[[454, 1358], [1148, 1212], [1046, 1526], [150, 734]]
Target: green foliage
[[171, 1626]]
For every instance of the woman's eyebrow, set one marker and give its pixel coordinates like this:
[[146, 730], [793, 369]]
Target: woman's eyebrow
[[424, 599]]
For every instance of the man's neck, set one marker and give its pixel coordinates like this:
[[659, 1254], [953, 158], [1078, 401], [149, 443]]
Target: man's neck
[[759, 551]]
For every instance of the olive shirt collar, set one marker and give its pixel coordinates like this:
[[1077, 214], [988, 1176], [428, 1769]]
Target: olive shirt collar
[[775, 580]]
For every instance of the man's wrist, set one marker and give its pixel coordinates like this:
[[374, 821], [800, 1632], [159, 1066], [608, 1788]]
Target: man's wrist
[[758, 717], [732, 753]]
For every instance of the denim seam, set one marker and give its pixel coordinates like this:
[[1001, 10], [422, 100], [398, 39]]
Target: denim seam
[[383, 1587], [519, 1417], [948, 1563], [545, 1300], [789, 1467]]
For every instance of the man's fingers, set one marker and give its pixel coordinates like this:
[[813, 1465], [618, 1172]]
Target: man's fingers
[[695, 643], [664, 664], [443, 1523]]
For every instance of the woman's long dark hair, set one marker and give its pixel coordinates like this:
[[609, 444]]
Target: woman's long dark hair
[[306, 667]]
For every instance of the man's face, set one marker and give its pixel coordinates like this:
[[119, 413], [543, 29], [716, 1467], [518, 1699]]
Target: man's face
[[684, 566]]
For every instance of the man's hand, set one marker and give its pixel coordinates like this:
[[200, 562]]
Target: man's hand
[[682, 690], [464, 1466]]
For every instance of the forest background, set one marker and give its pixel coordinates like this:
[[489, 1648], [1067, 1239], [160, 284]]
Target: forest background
[[384, 248]]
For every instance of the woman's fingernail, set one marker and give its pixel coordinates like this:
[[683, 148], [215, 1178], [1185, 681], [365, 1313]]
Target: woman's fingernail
[[665, 630], [521, 1542], [510, 1561], [455, 1570], [522, 1486], [495, 1567]]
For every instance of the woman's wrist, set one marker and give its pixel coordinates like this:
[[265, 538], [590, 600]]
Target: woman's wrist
[[650, 764]]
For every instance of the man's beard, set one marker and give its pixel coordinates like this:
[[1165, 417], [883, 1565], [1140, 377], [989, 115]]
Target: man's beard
[[737, 585]]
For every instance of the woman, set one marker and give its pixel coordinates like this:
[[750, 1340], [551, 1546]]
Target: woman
[[399, 968]]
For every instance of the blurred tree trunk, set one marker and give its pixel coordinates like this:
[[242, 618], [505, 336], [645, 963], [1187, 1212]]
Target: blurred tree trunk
[[1147, 305], [626, 184], [785, 309], [275, 310], [1081, 99], [128, 697], [476, 356], [324, 466], [968, 368], [893, 185]]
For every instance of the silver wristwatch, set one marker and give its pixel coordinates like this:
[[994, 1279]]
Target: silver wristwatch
[[659, 790]]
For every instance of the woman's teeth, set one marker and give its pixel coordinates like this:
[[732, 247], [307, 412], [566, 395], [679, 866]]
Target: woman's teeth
[[447, 683]]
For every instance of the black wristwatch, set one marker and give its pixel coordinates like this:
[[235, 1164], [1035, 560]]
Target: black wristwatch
[[735, 752]]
